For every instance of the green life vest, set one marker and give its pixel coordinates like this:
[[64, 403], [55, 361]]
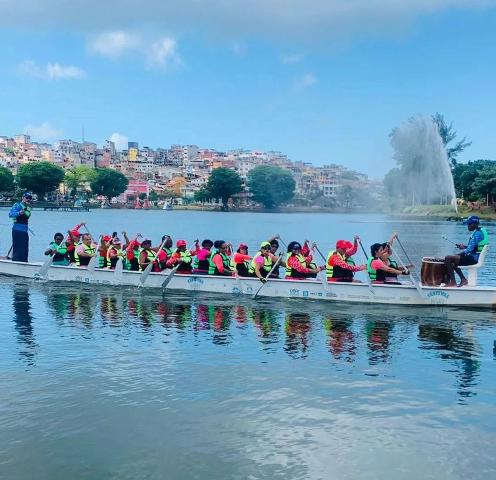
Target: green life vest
[[82, 261], [60, 256], [212, 268], [267, 266], [151, 256], [338, 272], [372, 273], [484, 241]]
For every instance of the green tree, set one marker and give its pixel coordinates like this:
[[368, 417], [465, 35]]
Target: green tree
[[202, 195], [485, 183], [222, 183], [6, 180], [448, 135], [271, 185], [40, 177], [153, 196], [76, 178], [109, 183]]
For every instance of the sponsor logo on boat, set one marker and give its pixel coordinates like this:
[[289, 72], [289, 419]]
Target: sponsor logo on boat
[[197, 280], [235, 290], [305, 293], [438, 293], [294, 292]]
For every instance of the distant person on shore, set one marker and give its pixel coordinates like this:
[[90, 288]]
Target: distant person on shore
[[378, 267], [20, 214], [478, 239], [340, 266], [58, 248]]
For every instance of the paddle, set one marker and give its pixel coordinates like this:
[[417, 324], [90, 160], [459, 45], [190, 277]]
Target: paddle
[[42, 272], [119, 267], [367, 278], [149, 267], [169, 277], [415, 282], [444, 237], [267, 277]]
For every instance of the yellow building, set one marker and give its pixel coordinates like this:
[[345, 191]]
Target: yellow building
[[133, 154]]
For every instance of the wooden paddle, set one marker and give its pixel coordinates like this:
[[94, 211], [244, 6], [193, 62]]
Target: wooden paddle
[[267, 277]]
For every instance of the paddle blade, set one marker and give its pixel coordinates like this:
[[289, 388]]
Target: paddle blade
[[119, 267], [92, 264], [169, 277], [145, 273], [44, 268]]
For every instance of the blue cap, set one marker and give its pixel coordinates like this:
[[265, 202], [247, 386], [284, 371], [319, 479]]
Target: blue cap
[[27, 195], [471, 220]]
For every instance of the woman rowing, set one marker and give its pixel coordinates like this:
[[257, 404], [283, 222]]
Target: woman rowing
[[378, 267], [201, 260], [58, 249], [241, 261], [340, 266], [297, 265], [220, 263]]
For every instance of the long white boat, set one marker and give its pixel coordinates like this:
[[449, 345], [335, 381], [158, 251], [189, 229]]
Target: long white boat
[[478, 296]]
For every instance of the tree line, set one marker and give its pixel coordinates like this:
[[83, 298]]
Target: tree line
[[43, 178], [269, 185]]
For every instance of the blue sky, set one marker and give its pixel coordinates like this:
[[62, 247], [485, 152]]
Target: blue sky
[[323, 81]]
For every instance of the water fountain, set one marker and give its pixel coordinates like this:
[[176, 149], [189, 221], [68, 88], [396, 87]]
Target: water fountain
[[425, 170]]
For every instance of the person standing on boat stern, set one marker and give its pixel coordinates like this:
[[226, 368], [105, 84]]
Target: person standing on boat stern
[[340, 266], [478, 239], [20, 214]]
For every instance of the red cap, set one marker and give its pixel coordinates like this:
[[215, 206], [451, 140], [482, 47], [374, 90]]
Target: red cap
[[75, 233], [106, 238], [181, 243], [348, 245], [342, 244], [242, 245]]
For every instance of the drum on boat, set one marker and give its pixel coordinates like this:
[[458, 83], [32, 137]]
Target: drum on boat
[[433, 271]]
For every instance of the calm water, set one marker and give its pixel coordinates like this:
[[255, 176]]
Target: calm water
[[123, 384]]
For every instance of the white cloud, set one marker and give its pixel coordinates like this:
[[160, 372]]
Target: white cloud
[[306, 80], [52, 71], [119, 140], [158, 53], [292, 58], [44, 132], [163, 54], [114, 44], [315, 20]]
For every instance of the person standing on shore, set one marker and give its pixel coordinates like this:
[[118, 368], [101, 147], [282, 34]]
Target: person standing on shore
[[20, 214]]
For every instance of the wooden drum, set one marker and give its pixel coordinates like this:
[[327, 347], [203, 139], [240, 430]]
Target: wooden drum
[[433, 271]]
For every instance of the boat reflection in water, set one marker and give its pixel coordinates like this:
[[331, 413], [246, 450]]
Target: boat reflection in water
[[366, 335]]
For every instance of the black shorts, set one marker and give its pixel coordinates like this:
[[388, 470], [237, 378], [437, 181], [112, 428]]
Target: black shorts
[[466, 259]]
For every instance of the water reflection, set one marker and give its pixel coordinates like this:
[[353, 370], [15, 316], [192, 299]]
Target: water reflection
[[23, 321], [351, 334]]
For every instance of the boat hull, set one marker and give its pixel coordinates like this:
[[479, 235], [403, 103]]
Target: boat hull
[[307, 289]]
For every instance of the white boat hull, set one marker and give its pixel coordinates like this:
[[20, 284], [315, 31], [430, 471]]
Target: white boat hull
[[309, 289]]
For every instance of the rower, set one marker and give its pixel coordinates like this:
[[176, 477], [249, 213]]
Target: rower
[[478, 239], [219, 263], [297, 264], [85, 251], [105, 243], [73, 239], [20, 214], [165, 253], [241, 261], [58, 248], [201, 260], [340, 266], [181, 256], [378, 268], [261, 265], [132, 255], [274, 246], [390, 261], [148, 255], [114, 252]]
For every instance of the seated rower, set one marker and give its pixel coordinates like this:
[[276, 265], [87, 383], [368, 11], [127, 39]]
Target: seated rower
[[241, 261], [378, 269], [274, 246], [340, 266], [58, 248], [114, 252], [148, 255], [132, 255], [201, 260], [296, 264], [181, 257], [261, 265], [105, 243], [479, 238], [165, 253], [73, 239], [85, 251], [390, 261], [220, 263]]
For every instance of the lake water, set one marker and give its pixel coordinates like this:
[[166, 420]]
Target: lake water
[[117, 383]]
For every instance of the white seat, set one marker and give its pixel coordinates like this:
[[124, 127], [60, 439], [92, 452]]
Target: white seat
[[473, 269]]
